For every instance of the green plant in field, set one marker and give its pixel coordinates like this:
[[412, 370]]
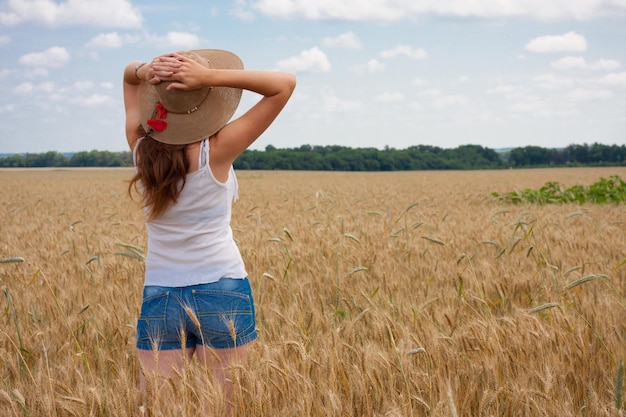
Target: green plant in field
[[604, 191]]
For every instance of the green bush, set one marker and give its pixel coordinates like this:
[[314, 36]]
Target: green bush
[[611, 190]]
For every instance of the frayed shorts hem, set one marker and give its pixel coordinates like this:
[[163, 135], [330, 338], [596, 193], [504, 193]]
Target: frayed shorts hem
[[177, 346]]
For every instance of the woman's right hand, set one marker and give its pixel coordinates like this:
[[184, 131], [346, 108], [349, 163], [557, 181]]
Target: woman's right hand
[[161, 68], [184, 73]]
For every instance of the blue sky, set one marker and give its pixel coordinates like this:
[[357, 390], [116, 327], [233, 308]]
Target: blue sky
[[371, 73]]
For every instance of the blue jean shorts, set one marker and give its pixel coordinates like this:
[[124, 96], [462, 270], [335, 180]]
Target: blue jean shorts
[[218, 315]]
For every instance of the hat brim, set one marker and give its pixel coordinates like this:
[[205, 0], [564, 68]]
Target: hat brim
[[209, 117]]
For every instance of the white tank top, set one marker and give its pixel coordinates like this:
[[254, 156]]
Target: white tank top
[[192, 241]]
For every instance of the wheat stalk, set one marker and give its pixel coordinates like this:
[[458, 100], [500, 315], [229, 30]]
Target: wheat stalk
[[582, 280], [618, 392]]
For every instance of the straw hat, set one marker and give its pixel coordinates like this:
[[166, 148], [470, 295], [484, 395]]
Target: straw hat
[[179, 117]]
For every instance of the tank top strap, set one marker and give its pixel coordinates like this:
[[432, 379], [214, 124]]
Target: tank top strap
[[203, 154]]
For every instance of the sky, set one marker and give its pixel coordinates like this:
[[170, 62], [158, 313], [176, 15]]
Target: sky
[[371, 73]]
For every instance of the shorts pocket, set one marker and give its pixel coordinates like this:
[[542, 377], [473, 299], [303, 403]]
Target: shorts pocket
[[151, 325], [223, 313]]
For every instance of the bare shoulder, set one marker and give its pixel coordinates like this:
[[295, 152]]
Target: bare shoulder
[[219, 162]]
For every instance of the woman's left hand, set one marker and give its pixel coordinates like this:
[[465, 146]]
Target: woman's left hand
[[163, 67], [183, 72]]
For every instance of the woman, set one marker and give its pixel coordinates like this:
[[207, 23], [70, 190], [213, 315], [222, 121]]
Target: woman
[[196, 297]]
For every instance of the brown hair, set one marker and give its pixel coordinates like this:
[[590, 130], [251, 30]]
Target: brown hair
[[161, 173]]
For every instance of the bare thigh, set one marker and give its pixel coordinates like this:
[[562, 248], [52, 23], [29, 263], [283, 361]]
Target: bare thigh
[[158, 366], [220, 359], [164, 362], [169, 363]]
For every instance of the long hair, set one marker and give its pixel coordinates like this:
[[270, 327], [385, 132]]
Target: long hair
[[160, 177]]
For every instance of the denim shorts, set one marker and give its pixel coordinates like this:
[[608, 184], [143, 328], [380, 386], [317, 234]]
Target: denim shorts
[[218, 315]]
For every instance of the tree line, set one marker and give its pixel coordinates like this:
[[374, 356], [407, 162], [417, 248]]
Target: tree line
[[53, 159], [341, 158]]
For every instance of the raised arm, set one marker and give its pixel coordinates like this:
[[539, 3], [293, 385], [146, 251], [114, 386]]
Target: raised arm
[[131, 103], [134, 74], [227, 144], [275, 87]]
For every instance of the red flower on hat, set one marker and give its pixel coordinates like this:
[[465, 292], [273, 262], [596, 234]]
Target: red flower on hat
[[161, 111], [158, 125]]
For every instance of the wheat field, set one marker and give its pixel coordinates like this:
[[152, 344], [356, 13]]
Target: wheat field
[[377, 294]]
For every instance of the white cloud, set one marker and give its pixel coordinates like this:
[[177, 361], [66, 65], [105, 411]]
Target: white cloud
[[404, 50], [543, 107], [582, 94], [333, 104], [419, 82], [50, 58], [83, 85], [39, 73], [174, 40], [353, 10], [47, 87], [509, 91], [110, 13], [394, 10], [526, 100], [50, 94], [94, 100], [615, 79], [552, 82], [448, 101], [577, 62], [24, 88], [240, 12], [107, 40], [310, 60], [4, 40], [346, 40], [531, 106], [47, 91], [7, 108], [374, 66], [431, 92], [605, 65], [569, 62], [522, 100], [388, 97], [182, 40], [414, 105], [569, 42], [441, 101]]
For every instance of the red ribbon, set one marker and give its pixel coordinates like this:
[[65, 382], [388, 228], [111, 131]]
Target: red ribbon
[[161, 111], [158, 125]]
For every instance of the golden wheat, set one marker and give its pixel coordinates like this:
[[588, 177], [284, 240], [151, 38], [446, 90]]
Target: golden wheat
[[377, 294]]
